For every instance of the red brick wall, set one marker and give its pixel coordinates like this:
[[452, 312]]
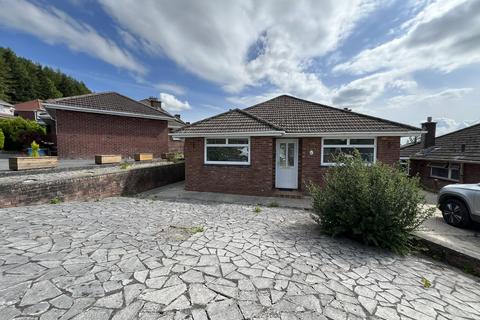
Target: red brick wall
[[121, 182], [471, 174], [310, 170], [256, 179], [30, 115], [259, 178], [388, 151], [82, 135], [174, 145]]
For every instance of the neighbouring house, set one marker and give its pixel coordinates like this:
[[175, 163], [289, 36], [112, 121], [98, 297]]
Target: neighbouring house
[[280, 145], [108, 123], [174, 144], [30, 110], [6, 110], [446, 159]]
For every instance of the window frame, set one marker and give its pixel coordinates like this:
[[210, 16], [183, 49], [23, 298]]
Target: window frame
[[448, 166], [348, 145], [226, 144]]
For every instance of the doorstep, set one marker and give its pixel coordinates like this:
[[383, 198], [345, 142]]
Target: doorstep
[[177, 192]]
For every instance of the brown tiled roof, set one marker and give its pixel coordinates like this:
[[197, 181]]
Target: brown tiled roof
[[408, 150], [108, 101], [32, 105], [294, 115], [235, 120], [449, 146]]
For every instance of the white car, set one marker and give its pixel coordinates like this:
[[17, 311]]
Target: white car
[[460, 204]]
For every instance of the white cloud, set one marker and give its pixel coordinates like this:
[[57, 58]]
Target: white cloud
[[172, 104], [444, 36], [244, 43], [446, 125], [428, 99], [170, 87], [56, 27]]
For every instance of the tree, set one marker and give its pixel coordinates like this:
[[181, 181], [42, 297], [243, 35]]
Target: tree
[[23, 80], [3, 80]]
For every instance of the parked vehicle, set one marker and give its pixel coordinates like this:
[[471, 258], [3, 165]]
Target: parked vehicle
[[460, 204]]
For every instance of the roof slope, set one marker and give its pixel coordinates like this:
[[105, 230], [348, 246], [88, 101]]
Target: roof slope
[[108, 102], [449, 146], [301, 116], [294, 115], [233, 121], [32, 105]]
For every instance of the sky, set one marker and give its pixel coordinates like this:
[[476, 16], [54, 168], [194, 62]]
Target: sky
[[400, 60]]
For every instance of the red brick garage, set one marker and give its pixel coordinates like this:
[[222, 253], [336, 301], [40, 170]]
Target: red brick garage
[[81, 135], [108, 123]]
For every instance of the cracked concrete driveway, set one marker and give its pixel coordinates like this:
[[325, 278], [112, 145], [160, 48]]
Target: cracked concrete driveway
[[125, 258]]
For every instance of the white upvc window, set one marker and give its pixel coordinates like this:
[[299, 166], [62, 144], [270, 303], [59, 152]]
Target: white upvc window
[[229, 151], [445, 171], [331, 147]]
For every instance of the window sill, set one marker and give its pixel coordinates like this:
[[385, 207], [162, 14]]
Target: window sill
[[444, 179], [226, 165]]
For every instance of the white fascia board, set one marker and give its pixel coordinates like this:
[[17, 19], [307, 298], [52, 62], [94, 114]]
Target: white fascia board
[[352, 134], [113, 113], [439, 159], [229, 134]]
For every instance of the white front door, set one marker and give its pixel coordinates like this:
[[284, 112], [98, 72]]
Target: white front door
[[286, 168]]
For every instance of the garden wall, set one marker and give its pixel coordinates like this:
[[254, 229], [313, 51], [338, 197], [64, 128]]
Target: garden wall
[[119, 183]]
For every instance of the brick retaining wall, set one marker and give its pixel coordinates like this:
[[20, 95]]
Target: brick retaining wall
[[124, 182]]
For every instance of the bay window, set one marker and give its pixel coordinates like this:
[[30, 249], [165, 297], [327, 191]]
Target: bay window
[[230, 151], [332, 147], [447, 171]]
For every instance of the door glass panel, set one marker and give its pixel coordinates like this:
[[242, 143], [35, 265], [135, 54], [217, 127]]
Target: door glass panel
[[282, 155], [291, 154]]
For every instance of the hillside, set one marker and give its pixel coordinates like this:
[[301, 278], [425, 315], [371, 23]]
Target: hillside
[[23, 80]]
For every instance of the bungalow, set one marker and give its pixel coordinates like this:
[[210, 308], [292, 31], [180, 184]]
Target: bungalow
[[281, 145], [30, 110], [446, 159], [108, 123]]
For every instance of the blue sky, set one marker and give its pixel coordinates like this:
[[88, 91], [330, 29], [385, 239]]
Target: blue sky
[[401, 60]]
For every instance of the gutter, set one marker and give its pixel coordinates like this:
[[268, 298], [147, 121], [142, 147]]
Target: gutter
[[114, 113], [298, 135], [445, 160], [228, 134]]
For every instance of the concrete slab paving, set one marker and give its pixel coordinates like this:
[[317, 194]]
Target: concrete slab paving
[[177, 192], [128, 258]]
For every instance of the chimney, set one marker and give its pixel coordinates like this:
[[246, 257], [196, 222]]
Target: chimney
[[177, 116], [428, 139], [155, 103]]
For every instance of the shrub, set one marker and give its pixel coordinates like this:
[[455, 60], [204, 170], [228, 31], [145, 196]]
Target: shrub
[[19, 132], [175, 157], [35, 149], [257, 209], [376, 204], [124, 165], [55, 200], [2, 139]]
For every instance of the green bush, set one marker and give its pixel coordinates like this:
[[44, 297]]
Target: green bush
[[35, 149], [375, 204], [174, 157], [19, 133], [2, 139]]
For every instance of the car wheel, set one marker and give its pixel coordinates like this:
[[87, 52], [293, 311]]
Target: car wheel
[[455, 213]]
